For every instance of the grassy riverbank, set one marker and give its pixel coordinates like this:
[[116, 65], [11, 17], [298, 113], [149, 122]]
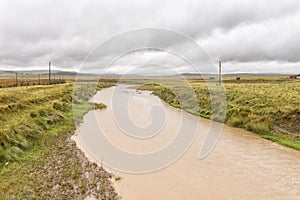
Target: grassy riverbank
[[268, 106], [38, 160]]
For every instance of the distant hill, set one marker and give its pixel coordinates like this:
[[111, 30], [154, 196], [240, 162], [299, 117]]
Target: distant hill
[[72, 74], [35, 73]]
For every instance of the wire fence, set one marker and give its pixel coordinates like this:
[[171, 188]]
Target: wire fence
[[29, 80]]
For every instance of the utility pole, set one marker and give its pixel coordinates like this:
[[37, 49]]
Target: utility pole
[[39, 79], [220, 72], [17, 79], [49, 72]]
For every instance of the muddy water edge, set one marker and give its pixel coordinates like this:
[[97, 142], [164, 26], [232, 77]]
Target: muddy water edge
[[242, 165]]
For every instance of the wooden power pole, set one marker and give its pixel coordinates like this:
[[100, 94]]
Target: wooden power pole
[[17, 79], [220, 72], [39, 79], [49, 72]]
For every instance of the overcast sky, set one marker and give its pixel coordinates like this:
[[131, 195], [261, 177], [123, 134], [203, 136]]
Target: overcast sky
[[248, 35]]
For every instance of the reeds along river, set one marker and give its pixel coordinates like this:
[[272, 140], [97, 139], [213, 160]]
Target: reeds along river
[[241, 166]]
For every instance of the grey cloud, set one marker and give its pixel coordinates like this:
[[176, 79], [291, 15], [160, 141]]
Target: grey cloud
[[240, 31], [272, 40]]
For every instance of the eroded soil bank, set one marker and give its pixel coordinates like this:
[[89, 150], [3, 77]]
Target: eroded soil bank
[[241, 166]]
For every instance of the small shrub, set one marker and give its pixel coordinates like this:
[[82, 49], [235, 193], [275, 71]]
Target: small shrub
[[55, 118], [57, 106], [100, 106], [236, 121], [45, 112], [262, 128], [33, 114]]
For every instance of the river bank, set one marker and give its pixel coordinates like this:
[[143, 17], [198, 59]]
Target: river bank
[[268, 107], [242, 165], [38, 158]]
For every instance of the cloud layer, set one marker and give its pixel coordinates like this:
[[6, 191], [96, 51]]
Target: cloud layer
[[242, 32]]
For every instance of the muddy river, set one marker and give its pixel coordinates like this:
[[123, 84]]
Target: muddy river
[[241, 166]]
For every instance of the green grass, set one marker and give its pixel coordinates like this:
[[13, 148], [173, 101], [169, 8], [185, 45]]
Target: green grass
[[11, 82], [257, 104], [34, 121], [283, 140], [100, 106]]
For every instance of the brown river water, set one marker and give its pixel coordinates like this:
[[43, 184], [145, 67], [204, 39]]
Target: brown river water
[[241, 166]]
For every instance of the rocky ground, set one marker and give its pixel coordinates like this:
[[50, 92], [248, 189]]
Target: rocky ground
[[67, 174]]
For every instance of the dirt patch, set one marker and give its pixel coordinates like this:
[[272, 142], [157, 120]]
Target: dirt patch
[[72, 176]]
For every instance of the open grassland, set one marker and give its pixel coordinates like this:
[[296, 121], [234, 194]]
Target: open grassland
[[9, 82], [269, 106], [38, 160]]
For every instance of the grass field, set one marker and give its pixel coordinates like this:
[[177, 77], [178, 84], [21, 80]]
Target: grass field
[[8, 82], [268, 106], [37, 160], [36, 123]]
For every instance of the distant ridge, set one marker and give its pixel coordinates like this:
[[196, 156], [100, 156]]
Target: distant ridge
[[34, 73], [73, 74]]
